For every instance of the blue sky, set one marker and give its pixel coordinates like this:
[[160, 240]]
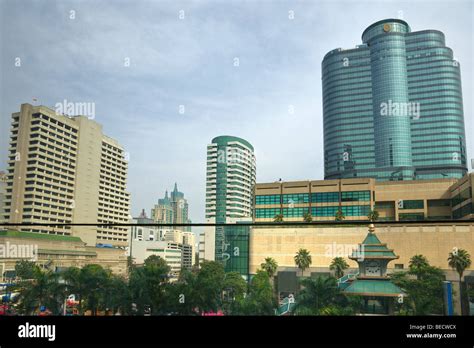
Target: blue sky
[[191, 62]]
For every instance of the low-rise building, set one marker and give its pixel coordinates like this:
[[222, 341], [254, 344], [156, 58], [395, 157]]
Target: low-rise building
[[56, 252], [155, 240], [435, 199]]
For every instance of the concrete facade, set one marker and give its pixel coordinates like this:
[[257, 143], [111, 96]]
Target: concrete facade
[[438, 199], [56, 252], [326, 242], [63, 170]]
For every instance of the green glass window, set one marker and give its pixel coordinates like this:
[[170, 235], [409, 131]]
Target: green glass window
[[325, 197], [267, 199], [266, 213], [294, 212], [411, 217], [295, 198], [410, 204], [355, 210], [355, 196]]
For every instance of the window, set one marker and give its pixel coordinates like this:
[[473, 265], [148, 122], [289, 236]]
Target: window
[[296, 198], [267, 199], [294, 212], [410, 204], [355, 210], [267, 213], [325, 197], [411, 217], [140, 234], [463, 211], [461, 197], [384, 205], [355, 196], [439, 203]]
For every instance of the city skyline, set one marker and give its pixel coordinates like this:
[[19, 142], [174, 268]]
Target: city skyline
[[271, 67]]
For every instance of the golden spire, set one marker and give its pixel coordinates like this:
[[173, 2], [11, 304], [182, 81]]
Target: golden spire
[[371, 228]]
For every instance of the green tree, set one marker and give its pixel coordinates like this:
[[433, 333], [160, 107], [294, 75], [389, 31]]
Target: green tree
[[338, 265], [94, 279], [339, 215], [209, 286], [460, 260], [423, 284], [181, 295], [270, 266], [234, 291], [25, 269], [259, 300], [303, 260], [130, 263], [148, 285], [307, 217], [117, 295], [322, 296], [74, 284], [278, 218], [373, 215], [418, 265], [42, 288]]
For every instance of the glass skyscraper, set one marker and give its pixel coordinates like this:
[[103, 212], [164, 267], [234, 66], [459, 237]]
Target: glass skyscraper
[[393, 108], [230, 180]]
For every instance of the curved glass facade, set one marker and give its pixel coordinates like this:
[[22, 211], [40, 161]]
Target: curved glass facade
[[230, 180], [392, 107]]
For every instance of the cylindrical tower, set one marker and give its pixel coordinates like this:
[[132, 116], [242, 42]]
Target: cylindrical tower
[[230, 178], [390, 99]]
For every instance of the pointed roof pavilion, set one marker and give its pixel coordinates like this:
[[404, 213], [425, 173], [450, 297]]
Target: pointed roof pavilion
[[373, 256]]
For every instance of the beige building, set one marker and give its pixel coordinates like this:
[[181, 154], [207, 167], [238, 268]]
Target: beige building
[[64, 170], [436, 199], [187, 239], [3, 191], [55, 252], [325, 242], [461, 194]]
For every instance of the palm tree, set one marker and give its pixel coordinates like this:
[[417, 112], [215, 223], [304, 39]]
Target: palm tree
[[94, 279], [43, 289], [270, 266], [338, 265], [459, 260], [339, 215], [418, 264], [303, 260], [307, 217], [74, 284], [373, 215], [317, 294], [278, 218]]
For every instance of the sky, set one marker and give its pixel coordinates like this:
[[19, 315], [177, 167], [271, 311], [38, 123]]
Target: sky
[[168, 76]]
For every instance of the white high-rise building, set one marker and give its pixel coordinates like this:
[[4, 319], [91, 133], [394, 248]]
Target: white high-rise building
[[64, 170], [230, 179]]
